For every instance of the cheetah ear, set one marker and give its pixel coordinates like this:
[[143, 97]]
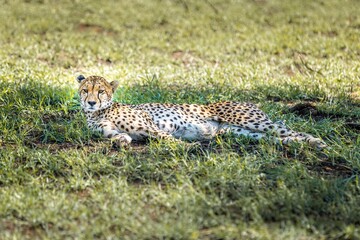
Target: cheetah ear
[[114, 85], [80, 78]]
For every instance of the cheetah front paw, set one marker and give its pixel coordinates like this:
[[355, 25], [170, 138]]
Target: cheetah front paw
[[318, 143], [122, 140], [313, 142]]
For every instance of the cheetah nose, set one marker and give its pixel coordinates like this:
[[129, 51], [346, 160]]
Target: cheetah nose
[[91, 103]]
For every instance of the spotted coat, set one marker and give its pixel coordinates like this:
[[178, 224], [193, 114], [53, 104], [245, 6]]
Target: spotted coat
[[124, 123]]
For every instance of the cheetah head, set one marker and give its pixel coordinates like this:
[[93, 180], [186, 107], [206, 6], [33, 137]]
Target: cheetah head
[[95, 92]]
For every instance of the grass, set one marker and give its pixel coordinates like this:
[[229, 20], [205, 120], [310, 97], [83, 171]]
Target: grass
[[58, 180]]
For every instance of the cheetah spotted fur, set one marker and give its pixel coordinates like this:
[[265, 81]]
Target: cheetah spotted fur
[[124, 123]]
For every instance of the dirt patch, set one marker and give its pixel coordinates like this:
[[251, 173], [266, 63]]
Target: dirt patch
[[84, 193], [106, 61], [332, 169], [324, 166], [277, 98], [27, 230], [189, 59], [9, 226], [56, 147], [352, 125], [186, 58], [355, 95], [103, 145], [330, 34], [94, 28], [288, 70], [57, 116], [310, 109], [31, 231], [304, 109]]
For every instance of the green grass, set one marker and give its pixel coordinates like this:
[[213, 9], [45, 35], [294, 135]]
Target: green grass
[[60, 181]]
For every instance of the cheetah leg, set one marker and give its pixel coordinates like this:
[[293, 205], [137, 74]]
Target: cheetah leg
[[150, 129], [136, 124], [287, 135], [248, 117], [109, 130], [239, 131], [304, 137], [155, 132]]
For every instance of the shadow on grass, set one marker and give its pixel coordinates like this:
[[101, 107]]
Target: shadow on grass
[[36, 113]]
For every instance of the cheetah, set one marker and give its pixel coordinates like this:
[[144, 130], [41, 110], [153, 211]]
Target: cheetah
[[124, 122]]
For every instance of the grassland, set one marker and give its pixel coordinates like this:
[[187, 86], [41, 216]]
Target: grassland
[[298, 60]]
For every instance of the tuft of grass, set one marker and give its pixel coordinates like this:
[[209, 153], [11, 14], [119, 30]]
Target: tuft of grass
[[297, 60]]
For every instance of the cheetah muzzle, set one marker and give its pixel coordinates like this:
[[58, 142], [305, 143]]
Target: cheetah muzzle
[[124, 123]]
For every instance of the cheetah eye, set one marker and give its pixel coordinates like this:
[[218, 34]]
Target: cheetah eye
[[85, 90], [101, 91]]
